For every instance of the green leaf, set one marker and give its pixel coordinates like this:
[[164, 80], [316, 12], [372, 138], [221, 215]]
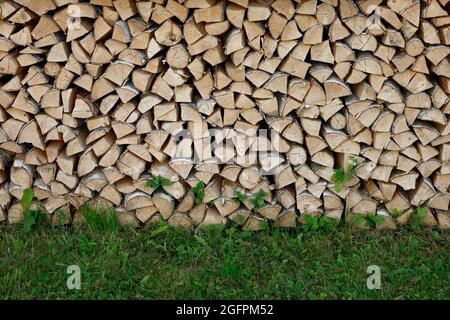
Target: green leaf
[[199, 197], [261, 193], [421, 212], [319, 223], [165, 182], [370, 220], [158, 182], [152, 184], [378, 219], [358, 220], [27, 198], [198, 191], [239, 197], [397, 213], [338, 186], [199, 186], [339, 176], [258, 199]]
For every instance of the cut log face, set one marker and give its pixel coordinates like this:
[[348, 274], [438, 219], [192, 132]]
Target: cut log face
[[226, 99]]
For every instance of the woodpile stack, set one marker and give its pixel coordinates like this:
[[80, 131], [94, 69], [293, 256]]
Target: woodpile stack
[[98, 97]]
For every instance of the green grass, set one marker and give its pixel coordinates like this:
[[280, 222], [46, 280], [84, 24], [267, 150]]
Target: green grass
[[218, 263], [100, 220]]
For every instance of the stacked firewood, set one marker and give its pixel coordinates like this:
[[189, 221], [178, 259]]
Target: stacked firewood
[[259, 100]]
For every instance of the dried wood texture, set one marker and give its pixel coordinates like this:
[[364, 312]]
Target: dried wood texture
[[94, 97]]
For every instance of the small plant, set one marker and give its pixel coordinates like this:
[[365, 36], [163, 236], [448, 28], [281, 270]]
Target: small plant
[[240, 219], [371, 219], [339, 176], [318, 223], [158, 182], [31, 218], [417, 216], [397, 213], [239, 197], [199, 192], [358, 220], [27, 198], [258, 199]]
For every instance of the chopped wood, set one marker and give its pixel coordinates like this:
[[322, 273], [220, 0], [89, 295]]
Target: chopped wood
[[244, 96]]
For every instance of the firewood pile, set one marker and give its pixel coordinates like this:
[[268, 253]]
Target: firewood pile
[[242, 110]]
